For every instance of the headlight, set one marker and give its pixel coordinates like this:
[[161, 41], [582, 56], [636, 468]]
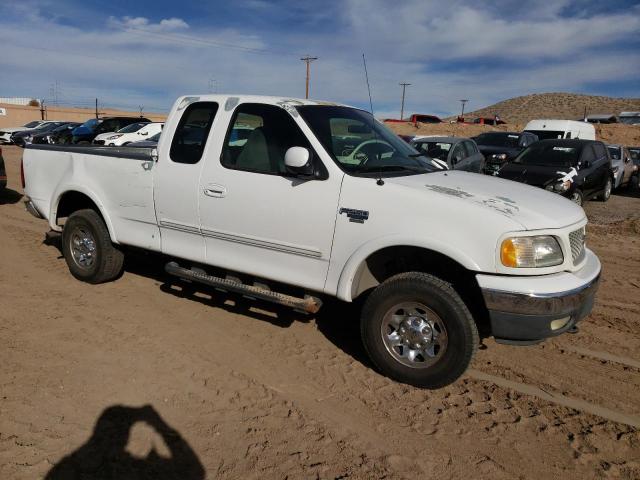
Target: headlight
[[113, 137], [562, 186], [500, 156], [531, 252]]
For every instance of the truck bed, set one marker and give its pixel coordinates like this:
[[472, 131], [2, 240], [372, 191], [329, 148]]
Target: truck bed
[[118, 180], [118, 152]]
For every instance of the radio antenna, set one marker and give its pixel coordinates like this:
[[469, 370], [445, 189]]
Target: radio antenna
[[366, 75], [380, 181]]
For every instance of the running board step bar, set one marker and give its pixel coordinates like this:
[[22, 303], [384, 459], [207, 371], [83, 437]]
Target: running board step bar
[[308, 304]]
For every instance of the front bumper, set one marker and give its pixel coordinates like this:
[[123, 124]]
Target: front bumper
[[526, 310]]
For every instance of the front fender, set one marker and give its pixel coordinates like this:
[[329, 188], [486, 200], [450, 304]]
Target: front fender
[[343, 287]]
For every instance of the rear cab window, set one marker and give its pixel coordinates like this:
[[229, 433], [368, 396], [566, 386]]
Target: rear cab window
[[190, 137]]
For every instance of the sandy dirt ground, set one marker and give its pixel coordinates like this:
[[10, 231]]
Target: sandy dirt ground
[[144, 378]]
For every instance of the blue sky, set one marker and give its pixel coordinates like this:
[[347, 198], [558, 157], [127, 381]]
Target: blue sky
[[147, 53]]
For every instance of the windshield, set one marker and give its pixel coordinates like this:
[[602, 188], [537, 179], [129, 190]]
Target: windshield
[[549, 155], [439, 150], [33, 124], [508, 140], [614, 152], [630, 119], [45, 127], [134, 127], [361, 145], [548, 134]]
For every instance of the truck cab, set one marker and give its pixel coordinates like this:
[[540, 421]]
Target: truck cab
[[561, 129], [291, 201]]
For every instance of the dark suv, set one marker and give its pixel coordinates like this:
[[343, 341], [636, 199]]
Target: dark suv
[[499, 148], [85, 133], [576, 169]]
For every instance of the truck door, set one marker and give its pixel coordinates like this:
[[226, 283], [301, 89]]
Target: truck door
[[257, 218], [176, 182]]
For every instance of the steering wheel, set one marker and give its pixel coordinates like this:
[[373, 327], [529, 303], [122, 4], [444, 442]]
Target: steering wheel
[[360, 152]]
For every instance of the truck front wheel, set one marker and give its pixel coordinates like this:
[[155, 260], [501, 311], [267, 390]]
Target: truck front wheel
[[417, 330], [87, 248]]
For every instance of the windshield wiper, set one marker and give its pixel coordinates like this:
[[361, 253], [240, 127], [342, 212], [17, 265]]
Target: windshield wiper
[[390, 168]]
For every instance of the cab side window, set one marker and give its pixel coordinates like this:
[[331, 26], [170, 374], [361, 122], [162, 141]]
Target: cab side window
[[588, 155], [258, 139], [191, 133]]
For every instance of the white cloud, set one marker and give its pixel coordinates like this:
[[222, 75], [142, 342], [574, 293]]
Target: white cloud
[[166, 25]]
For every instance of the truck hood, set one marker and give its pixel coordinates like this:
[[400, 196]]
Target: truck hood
[[531, 207]]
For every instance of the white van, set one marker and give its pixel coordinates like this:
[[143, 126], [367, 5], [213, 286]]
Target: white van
[[554, 129]]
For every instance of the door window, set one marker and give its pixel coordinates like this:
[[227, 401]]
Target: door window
[[191, 134], [458, 154], [259, 137], [470, 148]]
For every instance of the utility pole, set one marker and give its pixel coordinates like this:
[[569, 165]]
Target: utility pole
[[308, 61], [42, 110], [404, 86], [141, 107], [463, 103], [96, 108]]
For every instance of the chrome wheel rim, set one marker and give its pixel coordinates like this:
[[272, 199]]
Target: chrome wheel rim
[[607, 189], [414, 335], [83, 247], [576, 198]]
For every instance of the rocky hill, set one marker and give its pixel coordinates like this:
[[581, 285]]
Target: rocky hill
[[554, 105]]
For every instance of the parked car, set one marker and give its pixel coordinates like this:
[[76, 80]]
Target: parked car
[[148, 143], [629, 118], [85, 133], [635, 158], [3, 173], [5, 133], [131, 133], [623, 167], [55, 134], [548, 129], [25, 137], [499, 148], [457, 153], [290, 217], [576, 169], [489, 121]]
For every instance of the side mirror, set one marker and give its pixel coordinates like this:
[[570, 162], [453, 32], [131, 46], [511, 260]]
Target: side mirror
[[144, 133], [298, 161]]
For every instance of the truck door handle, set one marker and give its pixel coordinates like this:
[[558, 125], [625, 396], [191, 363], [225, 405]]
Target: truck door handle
[[217, 191]]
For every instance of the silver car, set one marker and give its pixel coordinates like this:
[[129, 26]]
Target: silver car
[[621, 164], [458, 153]]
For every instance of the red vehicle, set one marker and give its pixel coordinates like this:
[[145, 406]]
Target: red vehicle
[[416, 118]]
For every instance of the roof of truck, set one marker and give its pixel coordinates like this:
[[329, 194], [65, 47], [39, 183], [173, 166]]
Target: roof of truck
[[272, 100]]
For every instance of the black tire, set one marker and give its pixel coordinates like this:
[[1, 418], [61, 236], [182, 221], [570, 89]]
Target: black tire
[[577, 197], [606, 191], [105, 260], [83, 142], [439, 297]]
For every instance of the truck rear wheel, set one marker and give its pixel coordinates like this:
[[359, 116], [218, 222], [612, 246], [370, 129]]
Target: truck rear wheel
[[417, 330], [87, 248]]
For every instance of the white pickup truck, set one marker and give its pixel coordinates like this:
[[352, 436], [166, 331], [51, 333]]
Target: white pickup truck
[[320, 199]]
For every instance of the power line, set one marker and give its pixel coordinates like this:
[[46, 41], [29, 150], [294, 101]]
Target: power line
[[307, 59]]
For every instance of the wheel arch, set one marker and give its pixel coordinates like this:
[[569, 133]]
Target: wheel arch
[[75, 199], [370, 267]]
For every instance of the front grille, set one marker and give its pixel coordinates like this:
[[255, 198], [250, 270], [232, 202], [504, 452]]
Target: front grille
[[576, 240]]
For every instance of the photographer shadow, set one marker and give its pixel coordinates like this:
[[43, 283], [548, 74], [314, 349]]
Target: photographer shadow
[[105, 457]]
